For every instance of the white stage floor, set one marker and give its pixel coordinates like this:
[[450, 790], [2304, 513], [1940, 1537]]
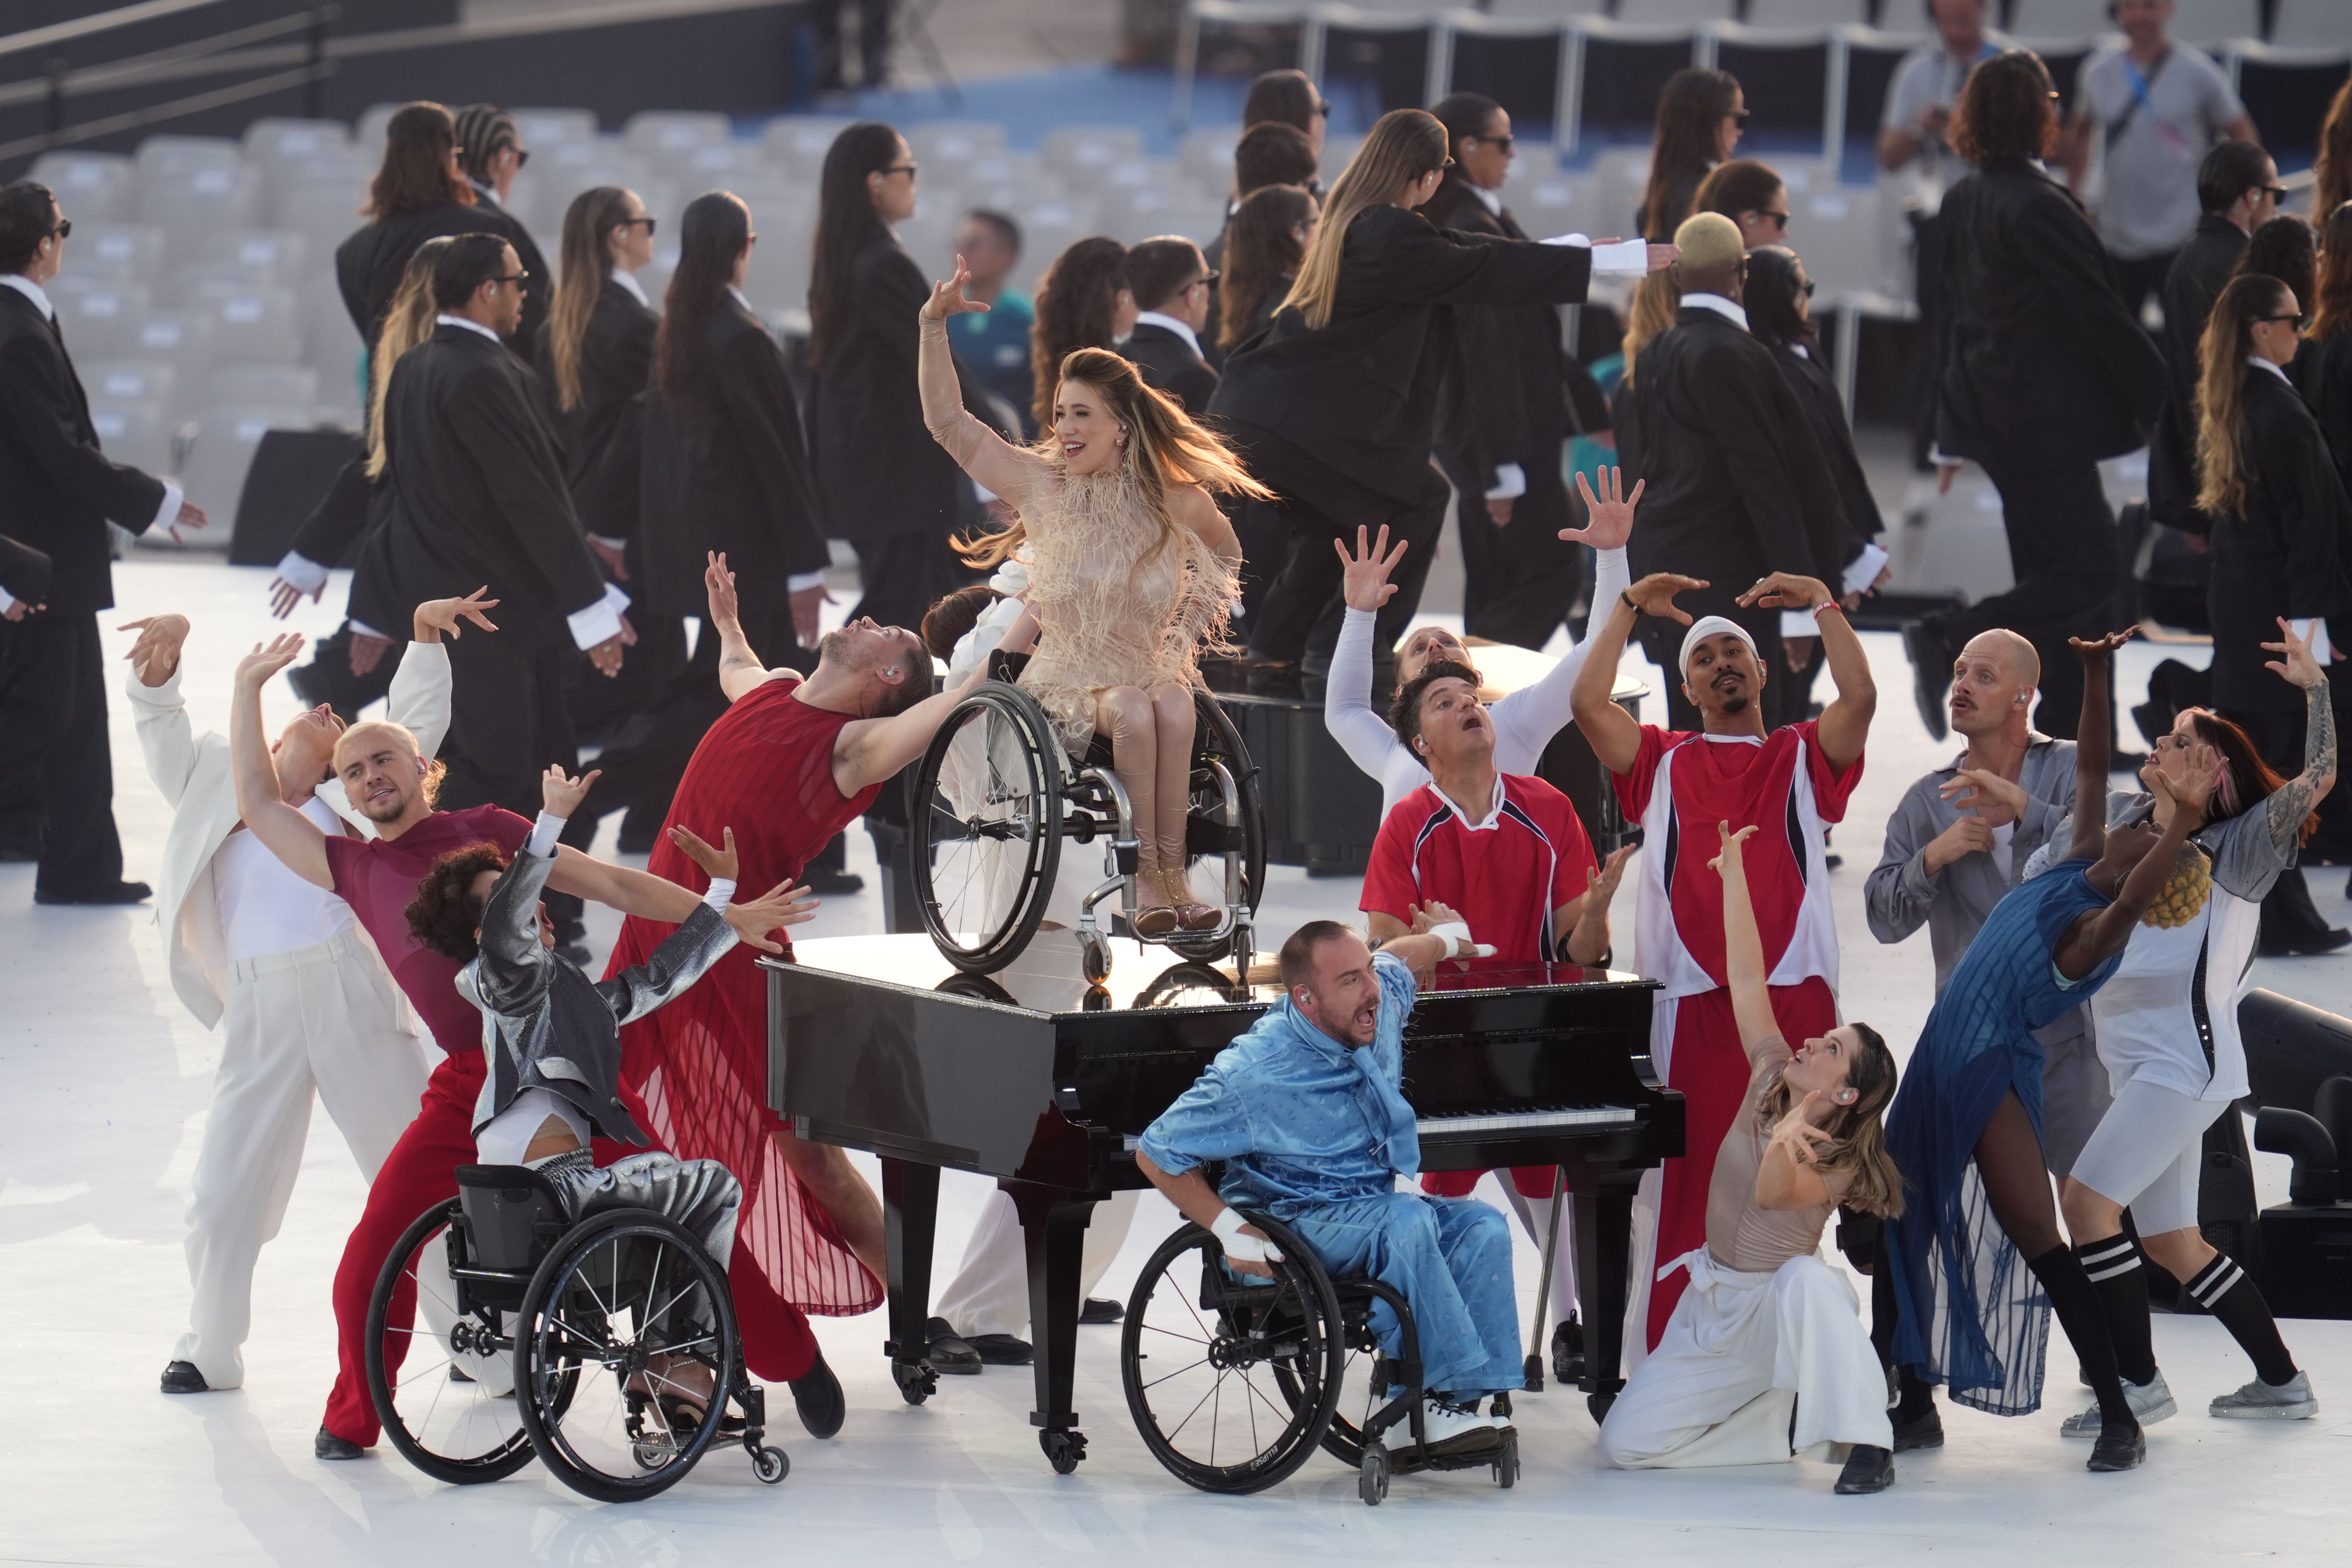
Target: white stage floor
[[106, 1080]]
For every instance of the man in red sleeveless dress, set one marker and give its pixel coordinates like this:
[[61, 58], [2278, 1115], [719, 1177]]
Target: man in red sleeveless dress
[[789, 765]]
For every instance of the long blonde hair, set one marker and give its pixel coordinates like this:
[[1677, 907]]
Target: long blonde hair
[[1657, 300], [586, 263], [1165, 446], [406, 323], [1404, 145], [1859, 1154], [2222, 470]]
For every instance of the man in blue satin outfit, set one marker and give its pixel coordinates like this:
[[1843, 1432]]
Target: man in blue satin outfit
[[1307, 1111]]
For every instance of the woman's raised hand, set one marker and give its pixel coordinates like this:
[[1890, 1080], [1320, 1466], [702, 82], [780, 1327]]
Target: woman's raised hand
[[2295, 662], [946, 298], [1364, 576], [2100, 649], [1730, 861], [1607, 511]]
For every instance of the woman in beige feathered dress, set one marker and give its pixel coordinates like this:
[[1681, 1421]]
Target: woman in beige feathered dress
[[1132, 569]]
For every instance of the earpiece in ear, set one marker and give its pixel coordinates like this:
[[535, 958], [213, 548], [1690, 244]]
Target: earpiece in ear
[[1845, 1096]]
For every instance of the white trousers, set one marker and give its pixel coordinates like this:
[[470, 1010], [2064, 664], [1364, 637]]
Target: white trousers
[[323, 1019], [1738, 1354], [989, 1293]]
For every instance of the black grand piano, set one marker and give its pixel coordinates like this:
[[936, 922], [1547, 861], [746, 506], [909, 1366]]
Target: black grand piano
[[1029, 1076]]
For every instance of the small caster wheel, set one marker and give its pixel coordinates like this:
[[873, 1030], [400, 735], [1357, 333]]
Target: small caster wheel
[[1094, 957], [1063, 1449], [770, 1465], [1372, 1478], [1507, 1466], [917, 1380]]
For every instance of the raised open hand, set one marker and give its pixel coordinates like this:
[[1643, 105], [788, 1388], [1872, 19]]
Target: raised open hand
[[441, 617], [1607, 511], [267, 658], [720, 865], [284, 596], [2295, 663], [1605, 877], [1987, 793], [1796, 1133], [946, 298], [157, 653], [1731, 860], [781, 905], [560, 793], [2201, 775], [1364, 575], [1654, 594], [2100, 649], [1788, 590]]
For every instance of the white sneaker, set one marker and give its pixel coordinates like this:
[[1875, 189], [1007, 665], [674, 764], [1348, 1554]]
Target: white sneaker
[[2258, 1401], [1449, 1429], [2151, 1402]]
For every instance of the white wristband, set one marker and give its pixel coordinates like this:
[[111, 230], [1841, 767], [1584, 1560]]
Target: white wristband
[[720, 893], [1458, 944], [1227, 1228], [544, 832]]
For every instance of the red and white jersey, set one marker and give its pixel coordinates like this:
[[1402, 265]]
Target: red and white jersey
[[1505, 875], [1681, 786]]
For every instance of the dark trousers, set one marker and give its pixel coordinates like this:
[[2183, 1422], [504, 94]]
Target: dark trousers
[[902, 576], [2143, 279], [1519, 580], [1298, 620], [601, 707], [509, 716], [56, 770], [2061, 552]]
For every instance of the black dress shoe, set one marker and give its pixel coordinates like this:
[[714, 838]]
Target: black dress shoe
[[817, 1395], [182, 1378], [1867, 1470], [1098, 1310], [947, 1352], [327, 1446], [2118, 1448], [1931, 674], [1001, 1349], [1923, 1431], [833, 883], [119, 892], [1568, 1351]]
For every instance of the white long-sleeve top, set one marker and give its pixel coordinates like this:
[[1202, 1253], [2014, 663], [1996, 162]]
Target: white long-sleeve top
[[1525, 721]]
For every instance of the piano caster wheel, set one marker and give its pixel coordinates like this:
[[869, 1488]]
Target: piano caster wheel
[[1063, 1449], [1372, 1476], [1094, 960], [917, 1381]]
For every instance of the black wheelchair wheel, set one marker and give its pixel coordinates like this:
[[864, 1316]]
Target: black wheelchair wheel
[[1190, 984], [987, 818], [1205, 832], [1197, 1352], [626, 1328], [462, 1432], [1363, 1389]]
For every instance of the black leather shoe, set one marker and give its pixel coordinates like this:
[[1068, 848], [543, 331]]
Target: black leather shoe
[[1098, 1310], [1568, 1351], [2305, 943], [1920, 1432], [119, 892], [1001, 1349], [947, 1352], [1931, 674], [2118, 1449], [817, 1395], [1867, 1470], [182, 1378], [327, 1446], [833, 883]]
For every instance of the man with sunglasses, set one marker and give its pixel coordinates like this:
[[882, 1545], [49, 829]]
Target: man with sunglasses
[[1173, 285], [57, 492]]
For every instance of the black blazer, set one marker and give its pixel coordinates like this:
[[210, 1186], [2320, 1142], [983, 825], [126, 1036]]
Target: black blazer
[[2323, 373], [617, 360], [1506, 390], [1737, 484], [879, 471], [24, 571], [729, 471], [369, 262], [57, 490], [2290, 554], [2194, 282], [1171, 364], [1360, 395], [2042, 364], [1817, 393], [474, 494]]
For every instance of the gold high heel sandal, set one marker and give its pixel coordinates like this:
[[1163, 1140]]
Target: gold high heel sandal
[[1154, 914], [1191, 914]]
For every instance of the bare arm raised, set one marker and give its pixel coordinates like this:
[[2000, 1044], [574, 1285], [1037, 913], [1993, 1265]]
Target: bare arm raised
[[1614, 734], [988, 457], [292, 837]]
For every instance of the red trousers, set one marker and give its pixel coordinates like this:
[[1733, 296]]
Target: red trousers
[[1533, 1181], [421, 1172], [1710, 1067]]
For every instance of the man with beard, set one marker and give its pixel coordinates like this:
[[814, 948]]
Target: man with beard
[[1790, 782], [393, 787]]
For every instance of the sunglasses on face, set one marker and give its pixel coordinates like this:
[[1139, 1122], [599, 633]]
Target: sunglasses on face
[[64, 229], [1504, 142], [1323, 107], [1807, 287], [1206, 280], [905, 168], [632, 222], [1740, 117], [1779, 220], [516, 278], [2298, 320], [2275, 193], [522, 155]]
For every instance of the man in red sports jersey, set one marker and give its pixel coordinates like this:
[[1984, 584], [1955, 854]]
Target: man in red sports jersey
[[1789, 783], [787, 766], [394, 788]]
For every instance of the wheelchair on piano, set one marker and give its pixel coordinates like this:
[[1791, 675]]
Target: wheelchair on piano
[[591, 1345], [1234, 1383], [997, 793]]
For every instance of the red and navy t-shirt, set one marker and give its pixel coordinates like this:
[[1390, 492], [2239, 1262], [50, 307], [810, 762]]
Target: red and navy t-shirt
[[1504, 875]]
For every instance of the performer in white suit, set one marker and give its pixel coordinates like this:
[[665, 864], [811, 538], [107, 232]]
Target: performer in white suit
[[307, 1002]]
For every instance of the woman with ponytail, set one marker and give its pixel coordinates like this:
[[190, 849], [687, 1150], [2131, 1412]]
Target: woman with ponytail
[[1334, 405]]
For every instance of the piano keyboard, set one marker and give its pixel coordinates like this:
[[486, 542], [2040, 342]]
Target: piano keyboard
[[1558, 1119]]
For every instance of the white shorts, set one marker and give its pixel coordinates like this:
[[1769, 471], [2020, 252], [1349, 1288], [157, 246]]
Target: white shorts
[[2147, 1154]]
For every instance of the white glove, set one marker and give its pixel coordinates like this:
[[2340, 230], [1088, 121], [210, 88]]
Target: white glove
[[1239, 1248], [1457, 941]]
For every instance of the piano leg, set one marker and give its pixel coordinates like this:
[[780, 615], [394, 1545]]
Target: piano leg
[[911, 1207], [1604, 1244], [1053, 1226]]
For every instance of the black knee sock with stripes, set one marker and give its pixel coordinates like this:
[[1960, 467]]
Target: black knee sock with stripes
[[2114, 1266], [2076, 1301], [2229, 1292]]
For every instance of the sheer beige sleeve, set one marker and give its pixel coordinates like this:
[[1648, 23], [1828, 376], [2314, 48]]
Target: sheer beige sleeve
[[994, 463]]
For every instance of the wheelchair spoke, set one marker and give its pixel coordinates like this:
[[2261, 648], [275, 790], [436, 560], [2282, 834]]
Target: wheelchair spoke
[[1177, 1373], [595, 1344], [1171, 1333], [1204, 1398]]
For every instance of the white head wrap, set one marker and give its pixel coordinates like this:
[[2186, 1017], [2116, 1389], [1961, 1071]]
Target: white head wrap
[[1713, 626]]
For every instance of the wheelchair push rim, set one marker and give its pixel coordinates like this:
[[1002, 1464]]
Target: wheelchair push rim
[[463, 1432], [987, 813], [1197, 1351], [613, 1316]]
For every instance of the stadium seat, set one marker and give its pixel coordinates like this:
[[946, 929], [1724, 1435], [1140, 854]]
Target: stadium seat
[[797, 143], [90, 188], [1075, 149], [189, 202], [280, 144], [253, 323], [1806, 12], [543, 129], [221, 449], [168, 157], [129, 253], [323, 212], [665, 133], [2210, 22], [96, 313], [1836, 230], [180, 337], [1523, 10], [2059, 18], [150, 382], [945, 148], [264, 256], [1208, 156], [330, 344], [1651, 13], [261, 386]]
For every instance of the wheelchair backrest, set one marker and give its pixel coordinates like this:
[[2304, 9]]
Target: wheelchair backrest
[[513, 1215]]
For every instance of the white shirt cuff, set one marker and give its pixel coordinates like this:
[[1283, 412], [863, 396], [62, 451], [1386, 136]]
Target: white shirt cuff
[[1628, 257], [1863, 569], [300, 572], [600, 623], [170, 509], [364, 630], [802, 581], [1510, 482], [720, 894], [543, 834], [7, 601], [2315, 629], [608, 542], [1798, 623]]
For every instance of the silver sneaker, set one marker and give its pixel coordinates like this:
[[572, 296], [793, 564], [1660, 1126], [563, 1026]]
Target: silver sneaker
[[2151, 1402], [2258, 1401]]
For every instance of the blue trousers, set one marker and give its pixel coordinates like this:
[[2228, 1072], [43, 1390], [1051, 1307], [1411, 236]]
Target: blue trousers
[[1451, 1258]]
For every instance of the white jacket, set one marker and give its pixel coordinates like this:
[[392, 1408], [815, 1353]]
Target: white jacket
[[192, 772]]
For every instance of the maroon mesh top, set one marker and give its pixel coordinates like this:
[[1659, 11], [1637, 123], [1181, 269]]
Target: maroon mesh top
[[378, 877]]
